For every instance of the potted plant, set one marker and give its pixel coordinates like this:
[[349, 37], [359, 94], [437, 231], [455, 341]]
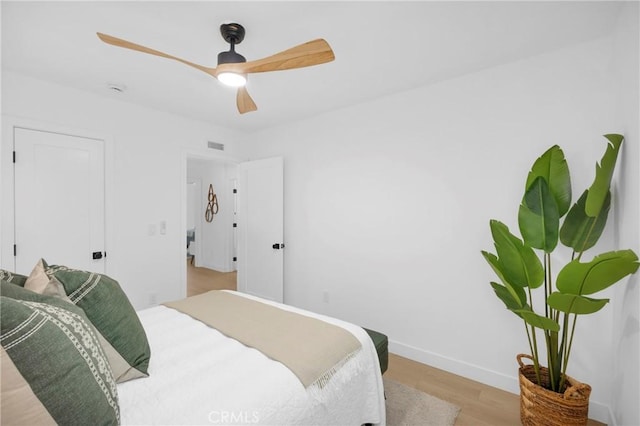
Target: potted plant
[[547, 394]]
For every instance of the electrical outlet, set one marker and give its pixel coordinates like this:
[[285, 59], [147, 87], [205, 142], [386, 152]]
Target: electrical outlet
[[325, 296], [163, 227], [152, 229], [153, 299]]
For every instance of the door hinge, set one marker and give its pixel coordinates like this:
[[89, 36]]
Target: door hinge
[[15, 250], [235, 259], [14, 157], [235, 225], [235, 191]]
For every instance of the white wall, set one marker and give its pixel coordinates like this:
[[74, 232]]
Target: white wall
[[145, 165], [387, 206], [214, 239], [626, 332]]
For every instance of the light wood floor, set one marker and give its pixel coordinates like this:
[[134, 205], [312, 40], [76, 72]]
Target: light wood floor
[[201, 280], [481, 405]]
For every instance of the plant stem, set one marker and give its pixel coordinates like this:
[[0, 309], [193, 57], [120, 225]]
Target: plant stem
[[551, 348], [549, 287], [568, 351], [562, 354], [534, 351], [567, 348], [551, 337], [534, 354], [547, 284]]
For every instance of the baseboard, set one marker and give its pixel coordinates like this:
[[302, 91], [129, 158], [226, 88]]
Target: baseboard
[[597, 411]]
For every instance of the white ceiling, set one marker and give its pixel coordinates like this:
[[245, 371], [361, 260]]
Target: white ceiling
[[380, 47]]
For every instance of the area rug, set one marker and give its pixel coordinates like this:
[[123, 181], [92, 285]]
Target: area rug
[[409, 407]]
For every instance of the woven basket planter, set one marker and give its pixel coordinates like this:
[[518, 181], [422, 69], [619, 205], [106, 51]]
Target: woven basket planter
[[541, 406]]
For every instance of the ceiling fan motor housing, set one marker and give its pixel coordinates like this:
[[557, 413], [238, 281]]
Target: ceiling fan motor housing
[[230, 57]]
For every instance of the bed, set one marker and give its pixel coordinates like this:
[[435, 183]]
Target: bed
[[197, 375], [216, 379]]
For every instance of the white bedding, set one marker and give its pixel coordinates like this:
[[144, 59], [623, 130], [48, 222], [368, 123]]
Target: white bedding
[[199, 376]]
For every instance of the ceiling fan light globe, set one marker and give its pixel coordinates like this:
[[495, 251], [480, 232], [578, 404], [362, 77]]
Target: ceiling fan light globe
[[232, 79]]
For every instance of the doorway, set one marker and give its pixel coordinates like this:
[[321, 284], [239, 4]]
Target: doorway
[[257, 210], [210, 238]]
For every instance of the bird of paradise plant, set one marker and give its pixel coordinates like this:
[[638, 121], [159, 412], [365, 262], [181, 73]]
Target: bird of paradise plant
[[546, 200]]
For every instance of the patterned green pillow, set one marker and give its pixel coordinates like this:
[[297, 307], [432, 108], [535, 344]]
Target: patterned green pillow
[[107, 307], [12, 277], [53, 367]]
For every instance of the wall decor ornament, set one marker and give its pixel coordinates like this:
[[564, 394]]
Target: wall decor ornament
[[212, 205]]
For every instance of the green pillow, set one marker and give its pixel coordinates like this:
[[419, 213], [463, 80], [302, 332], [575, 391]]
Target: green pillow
[[12, 277], [107, 307], [53, 367], [8, 289]]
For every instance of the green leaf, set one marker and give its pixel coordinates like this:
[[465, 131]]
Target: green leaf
[[537, 320], [603, 271], [493, 261], [580, 231], [604, 171], [538, 216], [518, 262], [575, 304], [553, 167], [512, 297]]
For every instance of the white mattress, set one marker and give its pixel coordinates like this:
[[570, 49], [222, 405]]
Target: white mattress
[[199, 376]]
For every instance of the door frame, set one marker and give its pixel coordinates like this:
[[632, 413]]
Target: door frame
[[198, 248], [193, 154], [7, 196]]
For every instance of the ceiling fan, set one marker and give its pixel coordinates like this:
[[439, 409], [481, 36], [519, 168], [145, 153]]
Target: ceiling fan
[[233, 68]]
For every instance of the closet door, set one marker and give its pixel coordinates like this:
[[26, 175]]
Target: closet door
[[59, 200]]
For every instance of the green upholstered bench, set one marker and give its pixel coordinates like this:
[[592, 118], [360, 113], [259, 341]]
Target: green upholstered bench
[[382, 347]]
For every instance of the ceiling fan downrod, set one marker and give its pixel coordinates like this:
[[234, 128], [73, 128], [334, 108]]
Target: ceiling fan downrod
[[232, 34]]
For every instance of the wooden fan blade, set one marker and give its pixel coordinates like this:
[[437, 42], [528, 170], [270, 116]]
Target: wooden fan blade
[[244, 101], [129, 45], [304, 55]]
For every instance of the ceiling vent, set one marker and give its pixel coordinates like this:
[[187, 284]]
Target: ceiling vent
[[216, 145]]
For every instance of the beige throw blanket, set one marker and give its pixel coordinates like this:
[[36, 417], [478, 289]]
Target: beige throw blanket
[[312, 349]]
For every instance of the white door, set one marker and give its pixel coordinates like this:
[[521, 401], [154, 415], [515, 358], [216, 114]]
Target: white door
[[261, 228], [59, 200]]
